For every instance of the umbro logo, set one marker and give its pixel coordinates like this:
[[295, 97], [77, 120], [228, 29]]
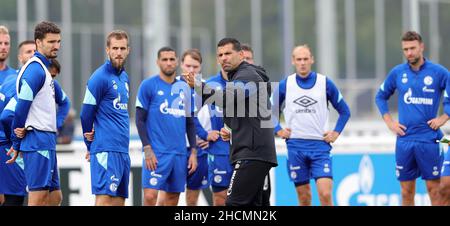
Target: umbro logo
[[305, 101]]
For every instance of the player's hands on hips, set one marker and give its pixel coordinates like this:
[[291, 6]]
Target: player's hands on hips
[[20, 132], [150, 158], [202, 144], [436, 123], [14, 154], [225, 134], [330, 136], [397, 128], [88, 156], [192, 162], [90, 135], [190, 78], [284, 133], [213, 135]]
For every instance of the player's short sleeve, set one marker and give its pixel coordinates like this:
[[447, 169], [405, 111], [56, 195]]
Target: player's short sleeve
[[144, 95], [94, 90], [389, 85]]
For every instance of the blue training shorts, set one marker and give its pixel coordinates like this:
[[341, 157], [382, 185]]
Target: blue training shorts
[[110, 173], [303, 166], [12, 176], [170, 173], [41, 170], [220, 172], [199, 178], [414, 159]]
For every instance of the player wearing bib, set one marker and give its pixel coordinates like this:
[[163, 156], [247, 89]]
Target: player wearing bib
[[35, 122], [306, 95], [162, 106], [13, 177], [420, 84], [106, 126]]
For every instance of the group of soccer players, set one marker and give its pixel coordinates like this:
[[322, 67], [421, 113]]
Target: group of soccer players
[[186, 144]]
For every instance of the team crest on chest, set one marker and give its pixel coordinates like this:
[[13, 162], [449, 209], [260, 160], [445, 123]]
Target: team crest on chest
[[428, 80]]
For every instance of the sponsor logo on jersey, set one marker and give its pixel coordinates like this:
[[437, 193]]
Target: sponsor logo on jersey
[[114, 85], [405, 78], [305, 101], [119, 106], [409, 99], [426, 90], [164, 108]]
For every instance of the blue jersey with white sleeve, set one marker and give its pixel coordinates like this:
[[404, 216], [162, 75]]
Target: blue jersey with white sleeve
[[419, 95], [210, 118], [105, 109], [166, 105]]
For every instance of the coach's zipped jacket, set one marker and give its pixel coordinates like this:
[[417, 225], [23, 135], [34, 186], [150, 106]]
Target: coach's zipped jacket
[[247, 113]]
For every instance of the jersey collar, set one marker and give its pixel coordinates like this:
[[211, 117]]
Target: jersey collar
[[425, 63], [42, 58]]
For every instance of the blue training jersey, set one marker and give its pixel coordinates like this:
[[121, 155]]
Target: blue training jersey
[[167, 107], [419, 95], [105, 108], [5, 73], [212, 119]]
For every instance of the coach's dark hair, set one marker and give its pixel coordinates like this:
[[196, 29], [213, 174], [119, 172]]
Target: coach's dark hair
[[246, 47], [166, 49], [236, 44], [116, 34], [43, 28], [26, 42], [55, 64], [412, 36], [194, 53]]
